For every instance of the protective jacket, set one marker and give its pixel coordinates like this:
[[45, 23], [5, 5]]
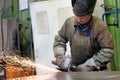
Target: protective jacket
[[93, 41]]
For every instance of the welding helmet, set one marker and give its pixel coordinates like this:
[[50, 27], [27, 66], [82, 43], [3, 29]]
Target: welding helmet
[[83, 7]]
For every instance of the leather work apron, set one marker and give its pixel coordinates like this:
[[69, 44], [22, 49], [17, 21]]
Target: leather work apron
[[80, 49]]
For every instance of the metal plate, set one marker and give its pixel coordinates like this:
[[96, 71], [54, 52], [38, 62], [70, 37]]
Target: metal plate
[[103, 75]]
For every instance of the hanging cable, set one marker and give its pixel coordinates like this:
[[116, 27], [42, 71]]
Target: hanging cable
[[116, 4]]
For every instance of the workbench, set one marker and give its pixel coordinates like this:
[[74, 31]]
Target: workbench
[[102, 75]]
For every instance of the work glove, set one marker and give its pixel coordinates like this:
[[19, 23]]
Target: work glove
[[59, 51], [89, 65], [63, 62], [59, 61]]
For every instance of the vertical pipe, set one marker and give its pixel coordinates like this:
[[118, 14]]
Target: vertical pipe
[[114, 31], [116, 7], [116, 4], [1, 15]]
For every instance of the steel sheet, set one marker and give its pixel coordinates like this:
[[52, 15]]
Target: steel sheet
[[103, 75]]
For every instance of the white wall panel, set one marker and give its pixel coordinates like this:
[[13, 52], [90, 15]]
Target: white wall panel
[[47, 18]]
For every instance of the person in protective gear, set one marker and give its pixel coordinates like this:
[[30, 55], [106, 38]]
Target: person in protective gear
[[90, 41]]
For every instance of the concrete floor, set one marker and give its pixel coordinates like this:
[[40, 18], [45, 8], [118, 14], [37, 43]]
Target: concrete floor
[[103, 75]]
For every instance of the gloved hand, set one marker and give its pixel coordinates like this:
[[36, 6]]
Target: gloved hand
[[89, 65], [59, 61], [63, 62], [59, 51]]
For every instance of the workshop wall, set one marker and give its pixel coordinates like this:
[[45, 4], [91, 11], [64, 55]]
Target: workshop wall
[[8, 27], [25, 33], [12, 10]]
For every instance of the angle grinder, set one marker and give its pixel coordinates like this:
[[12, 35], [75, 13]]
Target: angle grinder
[[68, 65]]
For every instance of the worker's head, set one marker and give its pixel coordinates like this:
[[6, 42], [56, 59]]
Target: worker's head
[[83, 7]]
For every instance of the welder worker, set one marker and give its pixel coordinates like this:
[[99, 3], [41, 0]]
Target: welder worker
[[90, 41]]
